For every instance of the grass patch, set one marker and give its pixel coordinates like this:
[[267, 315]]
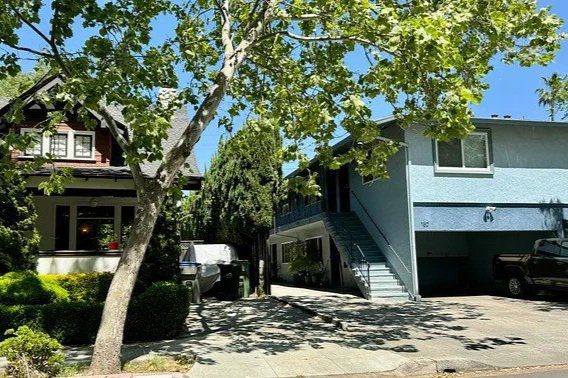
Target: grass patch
[[152, 364], [157, 364], [74, 369]]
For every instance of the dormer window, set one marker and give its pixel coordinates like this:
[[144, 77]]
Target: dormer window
[[63, 145], [36, 147], [58, 145], [83, 145]]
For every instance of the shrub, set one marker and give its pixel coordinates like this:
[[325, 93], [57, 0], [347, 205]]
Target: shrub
[[72, 322], [161, 261], [32, 354], [29, 288], [85, 286], [19, 239], [158, 313], [18, 315]]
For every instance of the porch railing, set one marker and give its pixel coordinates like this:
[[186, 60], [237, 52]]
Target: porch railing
[[381, 233], [357, 258]]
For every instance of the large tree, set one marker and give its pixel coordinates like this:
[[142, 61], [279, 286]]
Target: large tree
[[240, 189], [282, 60]]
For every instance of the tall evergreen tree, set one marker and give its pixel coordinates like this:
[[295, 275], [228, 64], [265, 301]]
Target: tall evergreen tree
[[240, 189], [19, 239]]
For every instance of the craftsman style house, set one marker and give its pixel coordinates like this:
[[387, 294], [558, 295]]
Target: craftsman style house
[[447, 209], [81, 229]]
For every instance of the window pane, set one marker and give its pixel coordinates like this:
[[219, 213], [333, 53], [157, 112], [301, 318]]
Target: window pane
[[475, 151], [34, 148], [83, 146], [95, 212], [286, 253], [58, 145], [94, 234], [126, 222], [564, 249], [548, 248], [449, 154], [62, 227]]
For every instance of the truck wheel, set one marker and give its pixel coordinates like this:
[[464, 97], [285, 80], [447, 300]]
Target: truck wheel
[[516, 287]]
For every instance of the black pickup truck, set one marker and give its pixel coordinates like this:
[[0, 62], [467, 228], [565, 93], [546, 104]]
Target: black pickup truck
[[545, 268]]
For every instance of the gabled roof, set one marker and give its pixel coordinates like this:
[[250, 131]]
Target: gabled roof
[[344, 144], [179, 122]]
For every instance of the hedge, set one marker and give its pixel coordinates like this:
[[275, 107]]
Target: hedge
[[91, 287], [156, 314], [28, 288]]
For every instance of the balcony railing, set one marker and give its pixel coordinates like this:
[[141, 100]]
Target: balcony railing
[[299, 212]]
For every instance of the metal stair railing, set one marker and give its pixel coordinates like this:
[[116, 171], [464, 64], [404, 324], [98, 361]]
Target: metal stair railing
[[357, 259], [381, 233]]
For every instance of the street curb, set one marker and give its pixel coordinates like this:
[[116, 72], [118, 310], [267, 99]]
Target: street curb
[[326, 318]]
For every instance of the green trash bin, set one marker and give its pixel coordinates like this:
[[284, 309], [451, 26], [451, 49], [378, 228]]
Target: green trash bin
[[242, 270]]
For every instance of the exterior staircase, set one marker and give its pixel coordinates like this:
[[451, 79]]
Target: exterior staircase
[[368, 264]]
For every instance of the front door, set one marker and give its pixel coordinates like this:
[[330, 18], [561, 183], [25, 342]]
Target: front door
[[335, 264], [344, 189], [273, 261], [331, 191]]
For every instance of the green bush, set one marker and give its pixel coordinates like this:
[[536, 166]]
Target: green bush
[[92, 287], [32, 354], [19, 239], [158, 313], [161, 260], [27, 288], [71, 322]]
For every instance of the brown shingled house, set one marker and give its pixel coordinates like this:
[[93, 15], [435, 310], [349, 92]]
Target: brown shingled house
[[100, 199]]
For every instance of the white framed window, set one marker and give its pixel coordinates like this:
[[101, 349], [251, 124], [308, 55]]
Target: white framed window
[[36, 147], [84, 145], [63, 145], [468, 155], [58, 145]]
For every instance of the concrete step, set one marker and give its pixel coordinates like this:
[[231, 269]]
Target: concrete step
[[379, 280], [401, 296], [386, 286]]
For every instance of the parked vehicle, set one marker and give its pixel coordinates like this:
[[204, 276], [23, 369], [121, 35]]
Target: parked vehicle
[[545, 268]]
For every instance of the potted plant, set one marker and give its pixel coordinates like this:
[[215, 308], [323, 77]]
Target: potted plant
[[303, 265], [106, 237]]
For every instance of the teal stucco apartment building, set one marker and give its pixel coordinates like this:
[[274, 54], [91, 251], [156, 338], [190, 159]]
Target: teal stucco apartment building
[[447, 209]]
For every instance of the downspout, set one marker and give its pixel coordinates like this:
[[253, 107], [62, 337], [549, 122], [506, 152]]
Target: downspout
[[416, 295]]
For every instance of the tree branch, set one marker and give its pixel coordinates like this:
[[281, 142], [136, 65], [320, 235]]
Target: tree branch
[[177, 156], [27, 49]]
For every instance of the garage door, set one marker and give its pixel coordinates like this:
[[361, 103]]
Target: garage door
[[460, 263]]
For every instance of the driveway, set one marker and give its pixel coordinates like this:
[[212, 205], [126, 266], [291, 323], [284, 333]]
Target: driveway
[[496, 331], [268, 338]]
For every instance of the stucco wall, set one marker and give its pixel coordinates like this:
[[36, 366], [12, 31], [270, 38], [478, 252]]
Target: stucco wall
[[526, 217], [73, 264], [306, 232], [530, 165], [386, 201]]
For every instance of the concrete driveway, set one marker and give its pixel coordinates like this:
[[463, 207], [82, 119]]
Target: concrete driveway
[[484, 330], [268, 338]]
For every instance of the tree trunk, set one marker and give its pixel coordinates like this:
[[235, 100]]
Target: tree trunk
[[106, 355]]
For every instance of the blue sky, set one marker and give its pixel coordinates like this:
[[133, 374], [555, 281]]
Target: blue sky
[[512, 88]]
